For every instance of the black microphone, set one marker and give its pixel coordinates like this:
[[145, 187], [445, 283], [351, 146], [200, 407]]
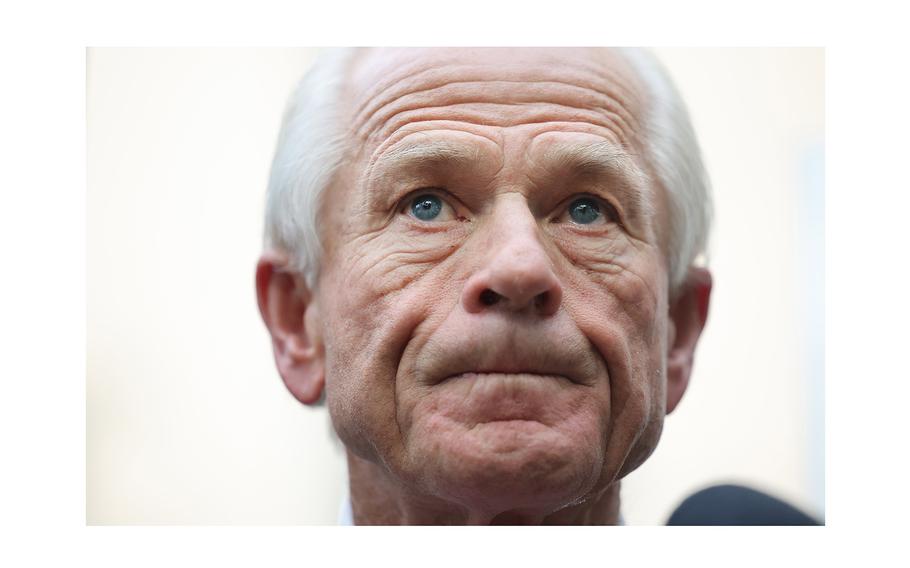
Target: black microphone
[[737, 505]]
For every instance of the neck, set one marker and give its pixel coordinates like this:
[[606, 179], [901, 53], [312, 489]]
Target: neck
[[377, 499]]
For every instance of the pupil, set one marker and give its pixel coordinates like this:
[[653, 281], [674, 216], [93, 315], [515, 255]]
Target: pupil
[[584, 211]]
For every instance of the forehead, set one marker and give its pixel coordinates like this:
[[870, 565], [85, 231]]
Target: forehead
[[583, 89]]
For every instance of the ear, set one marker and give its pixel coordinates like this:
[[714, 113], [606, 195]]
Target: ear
[[688, 314], [291, 316]]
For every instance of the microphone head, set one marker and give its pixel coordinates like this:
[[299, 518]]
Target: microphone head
[[737, 505]]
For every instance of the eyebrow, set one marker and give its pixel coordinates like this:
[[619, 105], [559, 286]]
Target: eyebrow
[[602, 160], [417, 155]]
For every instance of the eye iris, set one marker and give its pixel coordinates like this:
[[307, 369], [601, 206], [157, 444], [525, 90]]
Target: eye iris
[[584, 211], [426, 207]]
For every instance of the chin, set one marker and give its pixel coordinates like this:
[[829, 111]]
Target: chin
[[520, 466]]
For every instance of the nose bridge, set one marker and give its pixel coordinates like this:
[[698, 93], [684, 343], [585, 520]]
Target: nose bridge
[[518, 256], [515, 272], [515, 234]]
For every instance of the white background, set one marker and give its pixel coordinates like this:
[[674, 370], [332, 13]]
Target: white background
[[187, 420]]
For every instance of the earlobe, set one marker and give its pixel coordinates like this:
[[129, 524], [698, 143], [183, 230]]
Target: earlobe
[[688, 315], [291, 315]]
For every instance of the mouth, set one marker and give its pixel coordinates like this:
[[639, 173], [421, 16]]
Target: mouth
[[499, 351], [514, 376]]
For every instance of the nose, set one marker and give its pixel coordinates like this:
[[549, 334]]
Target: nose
[[517, 277]]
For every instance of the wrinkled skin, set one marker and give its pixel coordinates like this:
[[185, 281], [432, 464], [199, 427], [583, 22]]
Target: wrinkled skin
[[500, 362]]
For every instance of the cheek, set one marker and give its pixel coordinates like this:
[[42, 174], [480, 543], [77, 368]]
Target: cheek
[[359, 358], [622, 312], [373, 314]]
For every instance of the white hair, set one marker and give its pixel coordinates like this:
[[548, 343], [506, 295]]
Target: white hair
[[312, 146], [673, 152]]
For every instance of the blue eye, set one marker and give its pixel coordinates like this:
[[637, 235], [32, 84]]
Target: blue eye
[[426, 207], [584, 210]]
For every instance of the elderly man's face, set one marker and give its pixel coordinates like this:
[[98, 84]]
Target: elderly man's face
[[493, 303]]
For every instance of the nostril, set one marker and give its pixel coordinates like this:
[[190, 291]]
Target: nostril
[[541, 299], [489, 297]]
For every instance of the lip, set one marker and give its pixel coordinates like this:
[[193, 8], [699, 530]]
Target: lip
[[493, 374]]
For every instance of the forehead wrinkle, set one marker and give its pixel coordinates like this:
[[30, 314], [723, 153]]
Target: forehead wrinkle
[[504, 115], [607, 83], [594, 65], [389, 81], [581, 104], [568, 97]]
